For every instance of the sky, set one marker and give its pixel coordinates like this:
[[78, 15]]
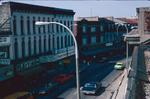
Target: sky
[[86, 8]]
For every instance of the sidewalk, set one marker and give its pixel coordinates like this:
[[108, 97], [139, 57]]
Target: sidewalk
[[114, 87], [121, 90]]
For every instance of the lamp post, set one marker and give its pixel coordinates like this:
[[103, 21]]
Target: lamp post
[[126, 42], [76, 52]]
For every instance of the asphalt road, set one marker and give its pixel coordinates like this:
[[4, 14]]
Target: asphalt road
[[92, 72]]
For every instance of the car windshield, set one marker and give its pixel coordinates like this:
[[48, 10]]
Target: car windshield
[[90, 85], [119, 64]]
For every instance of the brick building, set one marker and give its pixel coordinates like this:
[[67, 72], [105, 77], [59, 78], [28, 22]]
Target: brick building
[[98, 36]]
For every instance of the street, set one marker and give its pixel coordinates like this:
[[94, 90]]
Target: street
[[92, 72]]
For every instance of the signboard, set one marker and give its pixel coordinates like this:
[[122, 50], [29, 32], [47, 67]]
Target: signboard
[[4, 40], [147, 21], [3, 54], [28, 64], [5, 61], [109, 44]]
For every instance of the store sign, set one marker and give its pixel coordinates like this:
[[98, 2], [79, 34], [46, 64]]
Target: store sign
[[29, 63], [5, 61], [3, 54], [9, 73], [109, 44], [147, 21]]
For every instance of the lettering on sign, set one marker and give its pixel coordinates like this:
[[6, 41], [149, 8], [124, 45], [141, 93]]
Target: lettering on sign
[[5, 61], [3, 54], [28, 64]]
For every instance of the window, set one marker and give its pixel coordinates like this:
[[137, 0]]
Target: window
[[84, 29], [68, 40], [101, 28], [72, 42], [48, 26], [72, 26], [44, 26], [23, 48], [93, 39], [84, 41], [14, 25], [34, 45], [28, 25], [49, 42], [33, 24], [16, 48], [22, 25], [61, 30], [65, 41], [65, 25], [29, 46], [53, 42], [102, 39], [44, 43], [57, 27], [69, 24], [39, 28], [62, 42], [52, 25], [57, 42], [93, 28], [40, 44]]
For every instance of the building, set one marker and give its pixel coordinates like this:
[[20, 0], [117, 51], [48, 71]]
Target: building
[[98, 36], [23, 45], [144, 23]]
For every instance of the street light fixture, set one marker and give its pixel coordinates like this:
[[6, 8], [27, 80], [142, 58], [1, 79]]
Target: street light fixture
[[76, 52]]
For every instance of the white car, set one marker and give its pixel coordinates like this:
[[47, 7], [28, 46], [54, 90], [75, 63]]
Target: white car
[[119, 66]]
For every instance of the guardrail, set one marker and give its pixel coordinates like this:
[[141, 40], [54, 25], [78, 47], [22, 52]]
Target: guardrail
[[137, 73]]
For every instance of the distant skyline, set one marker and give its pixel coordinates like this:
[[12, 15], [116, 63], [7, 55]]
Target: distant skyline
[[94, 8]]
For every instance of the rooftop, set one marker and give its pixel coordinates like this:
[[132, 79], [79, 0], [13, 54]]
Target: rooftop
[[96, 18], [15, 6]]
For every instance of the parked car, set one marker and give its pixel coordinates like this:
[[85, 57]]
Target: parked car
[[91, 88], [20, 95], [119, 66], [45, 89], [62, 78]]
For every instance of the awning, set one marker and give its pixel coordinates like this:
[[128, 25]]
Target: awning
[[96, 51]]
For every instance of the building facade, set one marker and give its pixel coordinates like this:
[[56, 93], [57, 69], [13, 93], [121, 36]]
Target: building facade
[[98, 36], [25, 45], [144, 23]]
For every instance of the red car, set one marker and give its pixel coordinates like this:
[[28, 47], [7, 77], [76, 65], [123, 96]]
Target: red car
[[62, 78]]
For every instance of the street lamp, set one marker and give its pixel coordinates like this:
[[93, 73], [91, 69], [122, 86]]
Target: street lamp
[[126, 42], [76, 52]]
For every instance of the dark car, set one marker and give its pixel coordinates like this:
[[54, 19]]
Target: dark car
[[45, 89], [91, 88]]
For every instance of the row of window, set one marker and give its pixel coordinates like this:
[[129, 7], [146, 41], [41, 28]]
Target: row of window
[[62, 42], [94, 28], [107, 37], [31, 27]]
